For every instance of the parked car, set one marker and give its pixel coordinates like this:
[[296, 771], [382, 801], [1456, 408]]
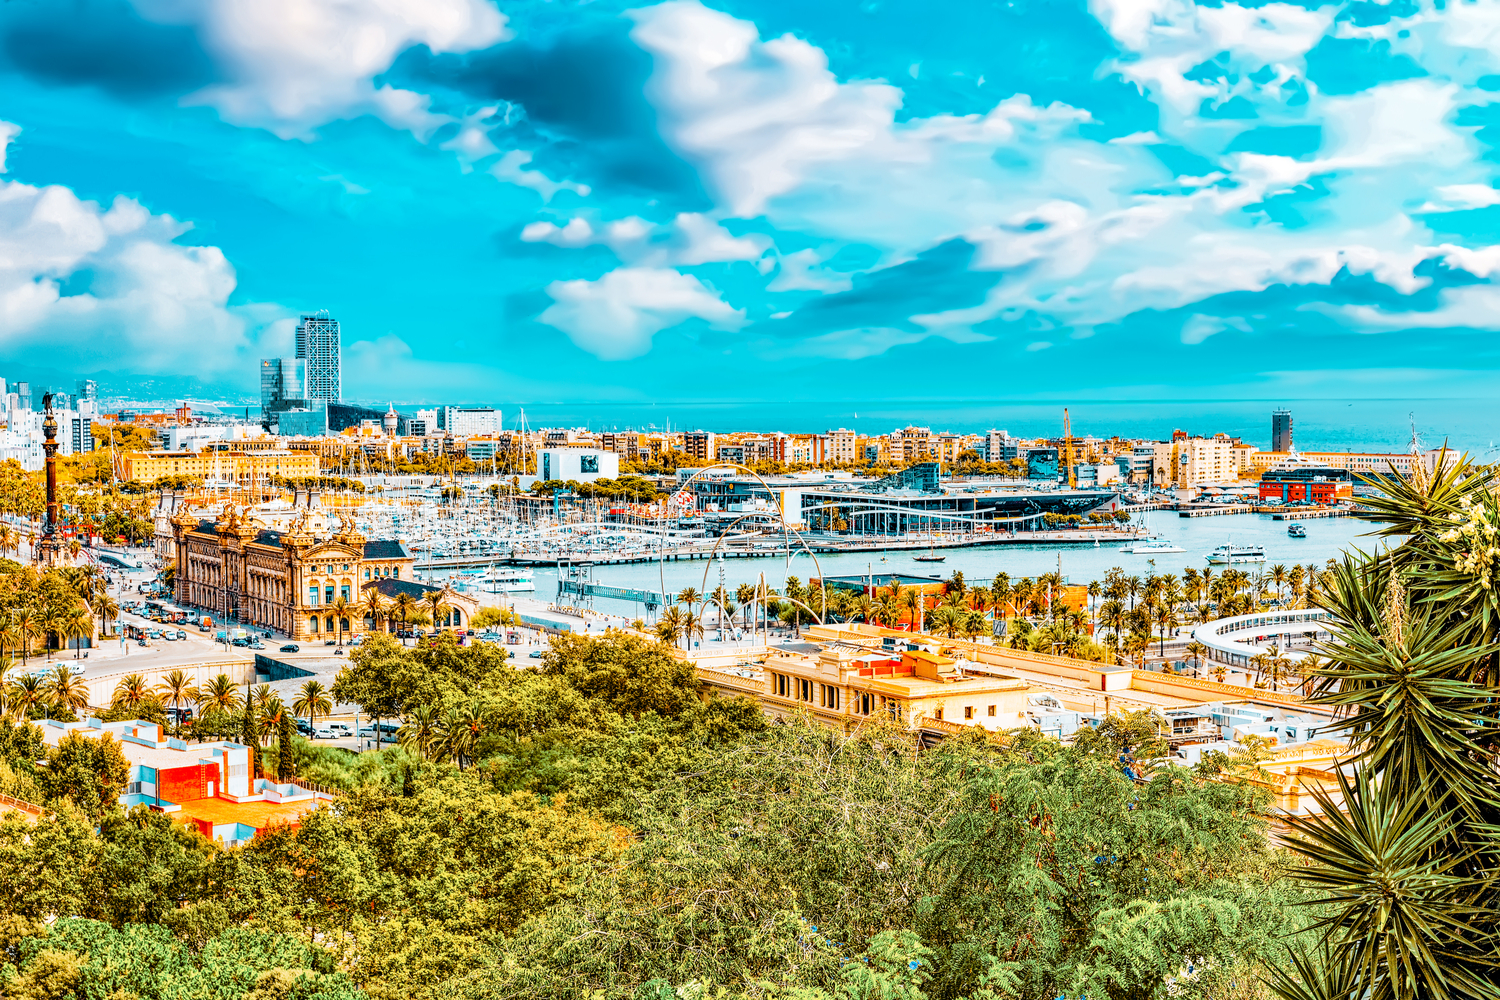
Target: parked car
[[323, 733], [303, 727], [291, 647], [169, 636], [342, 728], [331, 642], [257, 644], [536, 654], [181, 634]]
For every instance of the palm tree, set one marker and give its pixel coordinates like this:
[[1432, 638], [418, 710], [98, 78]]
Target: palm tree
[[221, 694], [1094, 591], [176, 690], [68, 690], [745, 594], [947, 619], [419, 731], [132, 692], [1279, 576], [312, 701], [270, 714], [403, 608], [1197, 651], [28, 693], [671, 624], [78, 624], [457, 735], [437, 605], [975, 624], [341, 609], [27, 624], [1166, 618], [375, 607], [916, 607], [1133, 589], [107, 609], [688, 596]]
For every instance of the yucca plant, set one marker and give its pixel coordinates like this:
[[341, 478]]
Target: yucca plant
[[1405, 857]]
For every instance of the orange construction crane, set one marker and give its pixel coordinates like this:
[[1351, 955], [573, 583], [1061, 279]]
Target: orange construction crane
[[1068, 451]]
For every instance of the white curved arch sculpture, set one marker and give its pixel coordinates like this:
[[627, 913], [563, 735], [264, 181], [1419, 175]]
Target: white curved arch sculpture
[[1235, 640]]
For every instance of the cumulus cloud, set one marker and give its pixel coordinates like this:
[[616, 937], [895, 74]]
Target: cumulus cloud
[[292, 65], [616, 316], [512, 168], [100, 285], [690, 238]]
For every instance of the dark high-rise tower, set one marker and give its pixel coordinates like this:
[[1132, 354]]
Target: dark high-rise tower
[[318, 345], [1281, 430]]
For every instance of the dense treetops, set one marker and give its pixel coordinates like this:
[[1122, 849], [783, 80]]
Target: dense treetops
[[602, 831]]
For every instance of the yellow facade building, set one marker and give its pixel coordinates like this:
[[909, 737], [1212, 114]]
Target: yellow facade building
[[844, 687], [242, 467]]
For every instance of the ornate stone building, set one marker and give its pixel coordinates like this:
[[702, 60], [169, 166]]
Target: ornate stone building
[[287, 580]]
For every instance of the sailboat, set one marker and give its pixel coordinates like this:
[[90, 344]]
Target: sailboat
[[931, 556]]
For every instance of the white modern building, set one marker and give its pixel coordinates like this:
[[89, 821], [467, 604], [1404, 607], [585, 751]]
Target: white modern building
[[469, 421], [582, 464]]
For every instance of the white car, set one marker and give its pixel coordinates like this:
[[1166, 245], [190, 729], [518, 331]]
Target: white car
[[324, 733]]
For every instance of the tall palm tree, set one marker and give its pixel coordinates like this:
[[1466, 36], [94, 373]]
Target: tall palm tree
[[132, 692], [688, 596], [340, 608], [312, 701], [692, 626], [68, 690], [457, 735], [671, 624], [220, 694], [946, 619], [27, 694], [419, 731], [437, 605], [1165, 616], [1197, 651], [375, 607], [26, 623], [745, 595], [1279, 575], [106, 609], [77, 624], [916, 607], [403, 607], [270, 712], [176, 689]]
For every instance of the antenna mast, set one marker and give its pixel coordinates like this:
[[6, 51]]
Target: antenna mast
[[1068, 451]]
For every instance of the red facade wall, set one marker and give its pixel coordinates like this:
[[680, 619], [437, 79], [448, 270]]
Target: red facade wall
[[184, 784]]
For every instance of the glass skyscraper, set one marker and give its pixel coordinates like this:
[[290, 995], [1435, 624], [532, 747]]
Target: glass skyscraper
[[318, 346]]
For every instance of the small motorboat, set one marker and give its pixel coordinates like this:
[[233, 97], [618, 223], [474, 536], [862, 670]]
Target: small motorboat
[[1296, 530]]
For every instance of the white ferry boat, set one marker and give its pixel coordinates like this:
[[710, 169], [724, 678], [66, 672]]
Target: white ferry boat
[[507, 580], [1225, 555], [1157, 546]]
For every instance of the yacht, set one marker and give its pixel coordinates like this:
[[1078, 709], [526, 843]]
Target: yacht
[[1156, 546], [1225, 555], [507, 579], [1296, 530]]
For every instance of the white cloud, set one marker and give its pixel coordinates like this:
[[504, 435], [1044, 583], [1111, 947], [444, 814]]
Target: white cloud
[[472, 141], [1199, 328], [512, 168], [616, 316], [137, 295], [1459, 197], [689, 239], [7, 133], [851, 345], [753, 115], [799, 271], [292, 65]]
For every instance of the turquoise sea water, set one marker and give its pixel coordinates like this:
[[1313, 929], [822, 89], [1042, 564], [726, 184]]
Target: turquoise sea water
[[1326, 538]]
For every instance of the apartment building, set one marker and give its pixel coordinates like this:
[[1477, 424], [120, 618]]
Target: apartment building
[[843, 687], [699, 445], [841, 447], [241, 467]]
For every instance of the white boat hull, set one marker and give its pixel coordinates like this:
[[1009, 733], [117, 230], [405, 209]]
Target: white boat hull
[[1222, 561]]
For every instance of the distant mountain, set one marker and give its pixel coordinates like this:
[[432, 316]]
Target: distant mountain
[[131, 389]]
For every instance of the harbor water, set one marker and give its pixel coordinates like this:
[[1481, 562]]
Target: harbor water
[[1326, 539]]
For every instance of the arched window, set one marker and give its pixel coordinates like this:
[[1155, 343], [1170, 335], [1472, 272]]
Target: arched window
[[328, 625], [457, 618], [312, 624]]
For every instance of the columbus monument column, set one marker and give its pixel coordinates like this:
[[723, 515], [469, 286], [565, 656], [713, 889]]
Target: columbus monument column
[[49, 550]]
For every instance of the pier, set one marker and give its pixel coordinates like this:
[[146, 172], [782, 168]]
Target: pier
[[1213, 510]]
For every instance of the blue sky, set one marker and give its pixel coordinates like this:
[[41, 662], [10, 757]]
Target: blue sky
[[1128, 199]]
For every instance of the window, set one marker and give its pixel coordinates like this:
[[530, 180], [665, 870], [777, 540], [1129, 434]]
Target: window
[[344, 591], [395, 574], [328, 594], [992, 711], [805, 691], [312, 624], [346, 567], [968, 711], [367, 574], [312, 595], [328, 624], [782, 685], [938, 715]]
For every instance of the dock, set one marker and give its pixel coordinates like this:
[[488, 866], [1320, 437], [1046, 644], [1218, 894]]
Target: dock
[[765, 548], [1213, 510], [1303, 515]]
